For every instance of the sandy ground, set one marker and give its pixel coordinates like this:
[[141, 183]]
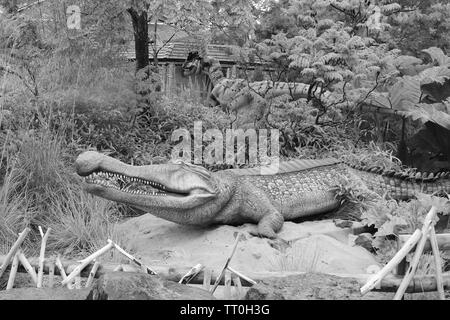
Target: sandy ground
[[317, 246]]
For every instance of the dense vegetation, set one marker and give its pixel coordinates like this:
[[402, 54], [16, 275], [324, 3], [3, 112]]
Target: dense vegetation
[[63, 91]]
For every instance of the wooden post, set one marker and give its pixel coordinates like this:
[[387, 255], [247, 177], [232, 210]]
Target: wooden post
[[419, 250], [240, 275], [237, 286], [13, 272], [437, 263], [92, 274], [227, 262], [376, 279], [129, 256], [86, 261], [192, 273], [23, 260], [42, 257], [13, 250], [62, 271], [227, 293], [207, 279]]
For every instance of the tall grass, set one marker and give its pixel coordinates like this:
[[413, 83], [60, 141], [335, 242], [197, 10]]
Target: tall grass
[[40, 188]]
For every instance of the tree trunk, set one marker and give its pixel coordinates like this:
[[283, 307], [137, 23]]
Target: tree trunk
[[140, 26]]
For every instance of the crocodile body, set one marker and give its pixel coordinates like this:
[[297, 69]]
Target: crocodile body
[[188, 194], [234, 94]]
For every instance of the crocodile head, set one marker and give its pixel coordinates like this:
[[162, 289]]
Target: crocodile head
[[167, 188], [192, 64]]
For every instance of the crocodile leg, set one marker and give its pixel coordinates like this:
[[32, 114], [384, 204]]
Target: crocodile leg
[[270, 224], [258, 208]]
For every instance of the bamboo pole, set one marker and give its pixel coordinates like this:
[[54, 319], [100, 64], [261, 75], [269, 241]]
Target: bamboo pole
[[227, 262], [62, 272], [129, 256], [227, 292], [240, 275], [237, 285], [389, 283], [376, 279], [86, 261], [443, 240], [437, 263], [416, 258], [13, 272], [207, 279], [192, 273], [42, 256], [23, 260], [92, 274], [13, 250]]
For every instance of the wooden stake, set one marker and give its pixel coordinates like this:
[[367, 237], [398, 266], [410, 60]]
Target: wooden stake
[[13, 250], [129, 256], [13, 272], [227, 293], [416, 258], [207, 279], [437, 263], [376, 279], [227, 262], [62, 271], [237, 286], [42, 256], [86, 261], [92, 274], [192, 273], [23, 260], [240, 275]]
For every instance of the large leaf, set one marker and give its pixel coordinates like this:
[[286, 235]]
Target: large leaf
[[434, 75], [437, 56], [405, 93], [437, 113]]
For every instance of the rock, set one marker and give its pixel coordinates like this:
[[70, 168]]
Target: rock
[[310, 286], [44, 294], [142, 286]]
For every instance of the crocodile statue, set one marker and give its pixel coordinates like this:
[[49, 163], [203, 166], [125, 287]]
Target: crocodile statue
[[234, 94], [189, 194]]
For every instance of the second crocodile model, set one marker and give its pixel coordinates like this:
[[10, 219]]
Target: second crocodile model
[[188, 194]]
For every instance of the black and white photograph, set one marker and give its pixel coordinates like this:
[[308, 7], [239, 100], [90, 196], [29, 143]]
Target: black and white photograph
[[224, 155]]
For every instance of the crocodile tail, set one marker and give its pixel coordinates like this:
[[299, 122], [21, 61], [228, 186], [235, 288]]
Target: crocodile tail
[[402, 186]]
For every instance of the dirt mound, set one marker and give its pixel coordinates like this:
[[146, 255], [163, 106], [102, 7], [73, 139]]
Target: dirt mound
[[317, 246]]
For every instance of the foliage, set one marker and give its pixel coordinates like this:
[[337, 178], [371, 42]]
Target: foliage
[[390, 217]]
